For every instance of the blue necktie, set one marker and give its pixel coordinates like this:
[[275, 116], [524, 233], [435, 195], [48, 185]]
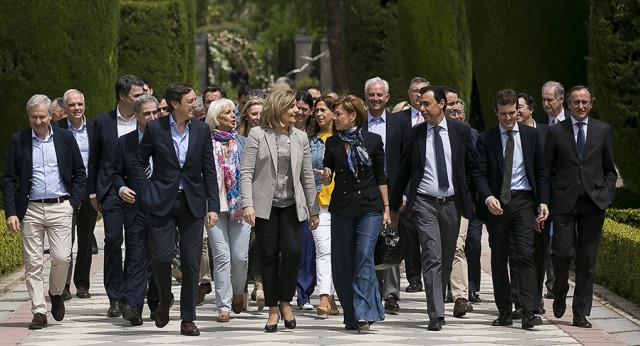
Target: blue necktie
[[441, 165], [581, 139]]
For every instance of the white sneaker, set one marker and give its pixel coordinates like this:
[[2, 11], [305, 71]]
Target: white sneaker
[[307, 306]]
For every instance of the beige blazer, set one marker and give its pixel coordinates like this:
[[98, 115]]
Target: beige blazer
[[258, 173]]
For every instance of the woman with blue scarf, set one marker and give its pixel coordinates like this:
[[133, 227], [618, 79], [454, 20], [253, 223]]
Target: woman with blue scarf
[[359, 204], [229, 238]]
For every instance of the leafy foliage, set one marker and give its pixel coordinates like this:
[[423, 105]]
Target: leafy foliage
[[10, 249]]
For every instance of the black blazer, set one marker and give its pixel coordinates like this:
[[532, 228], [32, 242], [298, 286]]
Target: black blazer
[[397, 127], [411, 169], [198, 174], [355, 196], [544, 118], [63, 123], [102, 154], [123, 174], [596, 171], [19, 170], [489, 166]]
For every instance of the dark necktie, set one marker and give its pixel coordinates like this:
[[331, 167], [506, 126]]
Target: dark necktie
[[505, 192], [581, 139], [441, 165], [147, 171]]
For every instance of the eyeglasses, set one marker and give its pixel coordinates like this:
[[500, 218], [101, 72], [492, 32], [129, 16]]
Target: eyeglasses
[[162, 109], [146, 114], [414, 91], [580, 102]]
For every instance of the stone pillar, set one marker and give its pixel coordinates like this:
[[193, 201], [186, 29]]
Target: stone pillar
[[202, 49], [326, 78], [303, 54]]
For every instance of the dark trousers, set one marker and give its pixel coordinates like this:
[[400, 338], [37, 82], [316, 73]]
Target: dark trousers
[[353, 240], [577, 234], [113, 218], [516, 222], [279, 239], [410, 248], [513, 271], [473, 251], [84, 222], [548, 264], [136, 262], [306, 281], [162, 247]]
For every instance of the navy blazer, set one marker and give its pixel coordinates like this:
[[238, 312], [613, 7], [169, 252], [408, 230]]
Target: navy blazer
[[123, 174], [63, 123], [489, 166], [413, 162], [102, 154], [397, 127], [353, 196], [19, 170], [198, 174]]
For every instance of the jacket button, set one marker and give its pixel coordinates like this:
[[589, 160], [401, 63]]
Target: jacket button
[[345, 192], [579, 182], [359, 192]]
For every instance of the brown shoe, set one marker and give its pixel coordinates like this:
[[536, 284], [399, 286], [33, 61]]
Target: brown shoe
[[57, 307], [39, 321], [203, 290], [162, 314], [223, 317], [189, 328], [461, 307], [237, 303], [83, 293]]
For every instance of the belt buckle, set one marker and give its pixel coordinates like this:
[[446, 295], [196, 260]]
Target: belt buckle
[[441, 199]]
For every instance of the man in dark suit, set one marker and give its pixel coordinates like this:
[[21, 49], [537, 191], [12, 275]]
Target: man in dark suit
[[512, 189], [552, 103], [102, 157], [136, 220], [84, 219], [409, 239], [392, 129], [438, 192], [583, 179], [182, 191], [43, 184]]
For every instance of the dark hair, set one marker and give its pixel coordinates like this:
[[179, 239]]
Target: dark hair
[[351, 104], [528, 100], [313, 127], [505, 97], [212, 89], [438, 93], [243, 90], [305, 97], [576, 88], [450, 90], [125, 83], [257, 93], [309, 87], [174, 92]]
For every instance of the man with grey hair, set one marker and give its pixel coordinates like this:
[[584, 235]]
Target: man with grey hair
[[552, 99], [392, 129], [44, 183], [84, 220], [57, 109]]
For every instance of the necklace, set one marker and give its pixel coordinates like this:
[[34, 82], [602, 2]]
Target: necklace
[[281, 184]]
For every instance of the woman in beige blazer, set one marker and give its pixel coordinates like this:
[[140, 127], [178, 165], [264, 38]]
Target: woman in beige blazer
[[278, 194]]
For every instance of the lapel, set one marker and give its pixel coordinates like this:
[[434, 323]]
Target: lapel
[[496, 144], [421, 142], [166, 132], [296, 150], [567, 127], [113, 127], [89, 127], [193, 137], [453, 142], [270, 138], [60, 147], [27, 151], [591, 135]]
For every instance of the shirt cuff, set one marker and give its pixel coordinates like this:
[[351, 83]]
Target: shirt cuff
[[92, 195], [487, 200], [120, 191]]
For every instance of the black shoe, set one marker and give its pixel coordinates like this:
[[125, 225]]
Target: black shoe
[[391, 306], [529, 320], [474, 298], [413, 288], [549, 295], [132, 315], [66, 295], [271, 328], [442, 321], [115, 310], [517, 314], [94, 250], [289, 324], [348, 327], [581, 321], [57, 307], [152, 315], [503, 320], [83, 293], [162, 313], [434, 324], [560, 305]]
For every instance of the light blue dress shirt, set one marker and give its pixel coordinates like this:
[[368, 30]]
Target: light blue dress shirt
[[82, 138], [519, 179], [46, 182], [379, 126], [180, 141]]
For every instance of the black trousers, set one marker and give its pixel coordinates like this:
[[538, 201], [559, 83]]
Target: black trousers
[[162, 248], [578, 234], [516, 222], [113, 218], [513, 270], [410, 248], [137, 262], [84, 223], [473, 251], [279, 239]]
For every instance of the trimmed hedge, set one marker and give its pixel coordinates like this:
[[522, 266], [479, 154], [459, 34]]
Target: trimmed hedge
[[629, 217], [10, 249], [157, 42], [614, 67], [626, 199], [47, 47], [618, 264]]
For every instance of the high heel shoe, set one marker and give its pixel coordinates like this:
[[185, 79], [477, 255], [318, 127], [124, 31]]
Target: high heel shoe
[[289, 324], [323, 310], [272, 328], [363, 326]]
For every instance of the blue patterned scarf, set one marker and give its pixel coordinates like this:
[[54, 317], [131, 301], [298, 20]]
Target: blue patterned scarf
[[228, 163], [357, 153]]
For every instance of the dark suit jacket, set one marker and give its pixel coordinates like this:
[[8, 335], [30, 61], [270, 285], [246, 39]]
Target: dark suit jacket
[[355, 196], [19, 170], [123, 174], [198, 174], [411, 169], [596, 171], [102, 154], [489, 166], [544, 118], [397, 127], [63, 123]]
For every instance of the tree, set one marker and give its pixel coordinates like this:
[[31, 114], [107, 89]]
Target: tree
[[335, 32]]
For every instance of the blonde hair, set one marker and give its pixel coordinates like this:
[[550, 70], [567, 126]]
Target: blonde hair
[[276, 103], [243, 130], [352, 104]]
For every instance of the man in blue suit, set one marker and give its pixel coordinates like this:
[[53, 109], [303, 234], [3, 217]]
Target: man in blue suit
[[43, 184], [108, 127], [181, 192]]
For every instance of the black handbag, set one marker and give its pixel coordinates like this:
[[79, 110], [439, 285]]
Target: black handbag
[[387, 252]]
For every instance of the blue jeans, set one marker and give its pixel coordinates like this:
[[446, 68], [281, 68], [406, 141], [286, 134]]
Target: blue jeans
[[353, 240], [230, 253]]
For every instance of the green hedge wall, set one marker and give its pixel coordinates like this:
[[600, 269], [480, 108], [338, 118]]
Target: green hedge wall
[[157, 42], [438, 47], [47, 47], [614, 70], [629, 217], [619, 260], [10, 249]]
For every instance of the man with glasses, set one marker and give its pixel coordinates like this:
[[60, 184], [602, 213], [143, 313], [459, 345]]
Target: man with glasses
[[583, 178]]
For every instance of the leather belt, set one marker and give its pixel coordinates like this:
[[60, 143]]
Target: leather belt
[[516, 193], [51, 200], [441, 200]]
